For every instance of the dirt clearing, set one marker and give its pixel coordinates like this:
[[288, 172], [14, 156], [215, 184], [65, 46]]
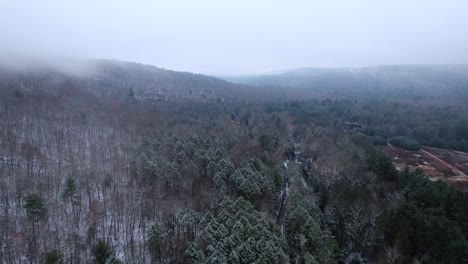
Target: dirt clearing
[[439, 164]]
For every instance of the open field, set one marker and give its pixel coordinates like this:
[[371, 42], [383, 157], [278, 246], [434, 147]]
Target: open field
[[439, 164]]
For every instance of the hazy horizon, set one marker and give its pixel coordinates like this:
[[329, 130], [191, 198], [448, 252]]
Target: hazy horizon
[[237, 37]]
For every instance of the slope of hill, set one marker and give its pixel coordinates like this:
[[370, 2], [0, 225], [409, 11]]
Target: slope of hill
[[411, 83], [113, 162], [124, 79]]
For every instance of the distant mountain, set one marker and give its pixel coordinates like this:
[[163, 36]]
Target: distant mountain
[[423, 83]]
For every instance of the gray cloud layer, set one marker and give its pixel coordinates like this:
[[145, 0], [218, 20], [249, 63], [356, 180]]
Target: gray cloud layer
[[238, 37]]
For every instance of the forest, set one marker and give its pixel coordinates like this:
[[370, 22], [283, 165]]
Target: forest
[[130, 163]]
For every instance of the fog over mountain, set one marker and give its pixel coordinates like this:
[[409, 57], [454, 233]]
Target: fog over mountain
[[413, 83], [238, 37]]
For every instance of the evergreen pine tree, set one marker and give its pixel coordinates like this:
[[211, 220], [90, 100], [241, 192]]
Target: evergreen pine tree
[[101, 252], [35, 207]]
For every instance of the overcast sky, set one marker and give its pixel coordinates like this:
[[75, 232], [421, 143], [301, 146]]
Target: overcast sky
[[239, 36]]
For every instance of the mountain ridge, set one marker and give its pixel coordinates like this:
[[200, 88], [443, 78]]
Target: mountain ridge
[[395, 82]]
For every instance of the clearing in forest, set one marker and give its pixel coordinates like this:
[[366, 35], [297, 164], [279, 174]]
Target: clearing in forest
[[439, 164]]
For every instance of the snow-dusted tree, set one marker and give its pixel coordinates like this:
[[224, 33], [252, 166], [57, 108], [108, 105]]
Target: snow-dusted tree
[[103, 253], [53, 257], [239, 234], [36, 212], [35, 207]]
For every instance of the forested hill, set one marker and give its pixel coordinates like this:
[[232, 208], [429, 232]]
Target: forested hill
[[445, 84], [123, 80], [113, 162], [428, 85]]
